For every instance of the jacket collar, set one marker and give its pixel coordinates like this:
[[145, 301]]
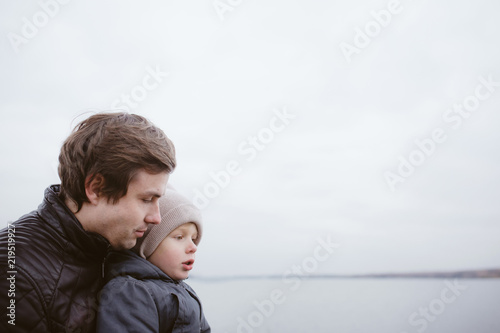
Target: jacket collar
[[58, 216], [129, 263]]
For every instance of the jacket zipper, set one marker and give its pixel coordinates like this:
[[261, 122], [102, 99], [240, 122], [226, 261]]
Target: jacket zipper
[[104, 261]]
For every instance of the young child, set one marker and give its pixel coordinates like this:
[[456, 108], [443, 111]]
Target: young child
[[144, 290]]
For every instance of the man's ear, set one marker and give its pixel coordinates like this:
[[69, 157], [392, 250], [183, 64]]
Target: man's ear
[[93, 186]]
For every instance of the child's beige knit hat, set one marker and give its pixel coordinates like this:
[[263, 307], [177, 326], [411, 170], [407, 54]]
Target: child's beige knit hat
[[175, 210]]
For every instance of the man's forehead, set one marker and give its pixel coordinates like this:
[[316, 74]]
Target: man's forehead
[[150, 182]]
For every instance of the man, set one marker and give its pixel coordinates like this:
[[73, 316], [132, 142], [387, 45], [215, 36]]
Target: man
[[113, 168]]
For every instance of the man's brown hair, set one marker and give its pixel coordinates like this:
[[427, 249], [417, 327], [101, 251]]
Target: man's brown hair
[[114, 146]]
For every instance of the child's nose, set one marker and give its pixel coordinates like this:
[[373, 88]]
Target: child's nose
[[192, 247]]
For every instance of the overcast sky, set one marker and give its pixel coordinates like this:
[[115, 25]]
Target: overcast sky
[[369, 124]]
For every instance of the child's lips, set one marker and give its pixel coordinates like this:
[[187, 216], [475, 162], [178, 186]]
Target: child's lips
[[188, 264]]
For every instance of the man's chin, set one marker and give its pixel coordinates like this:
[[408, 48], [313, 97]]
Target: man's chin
[[124, 246]]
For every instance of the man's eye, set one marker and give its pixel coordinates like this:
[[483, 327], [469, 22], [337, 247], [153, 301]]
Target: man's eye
[[147, 200]]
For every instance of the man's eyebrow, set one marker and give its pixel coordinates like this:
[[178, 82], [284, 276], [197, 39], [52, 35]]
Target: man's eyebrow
[[152, 193]]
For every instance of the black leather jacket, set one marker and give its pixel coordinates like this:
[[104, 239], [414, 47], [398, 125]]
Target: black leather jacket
[[50, 271]]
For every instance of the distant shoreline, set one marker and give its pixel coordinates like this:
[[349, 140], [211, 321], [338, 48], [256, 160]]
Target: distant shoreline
[[473, 274]]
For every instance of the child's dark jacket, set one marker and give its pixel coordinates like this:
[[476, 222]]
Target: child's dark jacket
[[139, 297]]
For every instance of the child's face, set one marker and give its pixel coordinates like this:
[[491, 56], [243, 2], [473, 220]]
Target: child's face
[[175, 254]]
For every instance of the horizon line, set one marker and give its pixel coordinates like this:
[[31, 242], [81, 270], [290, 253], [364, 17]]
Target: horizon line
[[471, 274]]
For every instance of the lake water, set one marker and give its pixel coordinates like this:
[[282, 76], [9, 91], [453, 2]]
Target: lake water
[[351, 305]]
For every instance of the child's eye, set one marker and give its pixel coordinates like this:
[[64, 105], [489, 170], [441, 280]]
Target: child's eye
[[179, 237]]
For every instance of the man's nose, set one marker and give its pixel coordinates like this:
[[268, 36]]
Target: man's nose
[[154, 216]]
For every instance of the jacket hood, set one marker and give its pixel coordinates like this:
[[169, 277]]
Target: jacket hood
[[122, 263]]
